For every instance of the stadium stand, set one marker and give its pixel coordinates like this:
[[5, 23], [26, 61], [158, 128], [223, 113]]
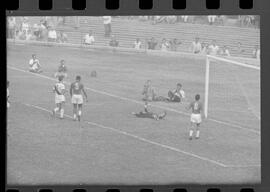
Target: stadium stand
[[127, 30]]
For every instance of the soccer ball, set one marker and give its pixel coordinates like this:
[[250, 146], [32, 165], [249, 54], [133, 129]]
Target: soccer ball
[[93, 73]]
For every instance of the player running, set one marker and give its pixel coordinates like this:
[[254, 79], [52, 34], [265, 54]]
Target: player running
[[8, 94], [59, 90], [196, 117], [147, 114], [34, 65], [76, 90]]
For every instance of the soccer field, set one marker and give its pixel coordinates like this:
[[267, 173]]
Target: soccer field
[[110, 145]]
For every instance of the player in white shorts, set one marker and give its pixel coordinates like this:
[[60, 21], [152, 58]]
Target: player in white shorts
[[196, 117], [76, 93], [59, 90], [34, 65]]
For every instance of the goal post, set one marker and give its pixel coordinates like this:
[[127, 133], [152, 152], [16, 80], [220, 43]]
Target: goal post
[[214, 60]]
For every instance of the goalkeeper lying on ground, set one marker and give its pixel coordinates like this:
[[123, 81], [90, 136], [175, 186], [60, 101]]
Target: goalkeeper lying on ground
[[147, 114]]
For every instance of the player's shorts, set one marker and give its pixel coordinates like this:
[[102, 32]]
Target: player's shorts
[[58, 74], [77, 99], [196, 118], [59, 99], [34, 67]]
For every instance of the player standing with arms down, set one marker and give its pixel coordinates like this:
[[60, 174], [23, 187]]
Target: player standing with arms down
[[196, 117], [76, 90], [59, 90]]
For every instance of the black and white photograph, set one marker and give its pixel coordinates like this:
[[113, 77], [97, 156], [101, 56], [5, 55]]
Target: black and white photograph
[[133, 100]]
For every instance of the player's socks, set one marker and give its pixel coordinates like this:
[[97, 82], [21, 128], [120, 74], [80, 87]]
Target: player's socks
[[55, 110], [74, 116], [62, 113], [197, 134], [79, 115], [190, 134]]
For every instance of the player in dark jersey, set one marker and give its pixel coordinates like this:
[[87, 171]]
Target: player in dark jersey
[[196, 117], [62, 70], [147, 114], [76, 93]]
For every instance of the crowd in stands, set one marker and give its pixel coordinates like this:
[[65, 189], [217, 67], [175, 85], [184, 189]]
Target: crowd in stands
[[21, 29], [44, 30], [241, 21]]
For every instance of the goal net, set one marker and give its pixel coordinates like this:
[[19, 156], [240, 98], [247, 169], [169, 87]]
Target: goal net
[[232, 91]]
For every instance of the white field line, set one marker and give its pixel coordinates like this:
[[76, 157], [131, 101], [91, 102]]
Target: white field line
[[141, 103], [137, 137], [150, 142], [243, 166]]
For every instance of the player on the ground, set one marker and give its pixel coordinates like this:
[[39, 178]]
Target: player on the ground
[[177, 95], [59, 90], [76, 91], [147, 114], [62, 70], [34, 65], [8, 94], [196, 117]]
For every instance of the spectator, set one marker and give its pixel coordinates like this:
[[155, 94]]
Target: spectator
[[240, 49], [25, 25], [224, 51], [36, 31], [62, 37], [211, 19], [213, 48], [52, 35], [143, 18], [256, 53], [164, 45], [185, 18], [221, 19], [205, 49], [107, 25], [152, 43], [196, 46], [113, 42], [22, 35], [11, 27], [174, 44], [249, 20], [171, 19], [29, 36], [89, 38], [137, 44], [158, 19]]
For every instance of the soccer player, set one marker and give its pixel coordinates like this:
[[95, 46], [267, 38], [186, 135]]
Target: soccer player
[[176, 95], [8, 94], [148, 92], [59, 90], [76, 91], [62, 70], [196, 117], [147, 114], [34, 65]]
